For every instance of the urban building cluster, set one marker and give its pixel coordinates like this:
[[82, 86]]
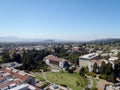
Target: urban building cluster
[[13, 79]]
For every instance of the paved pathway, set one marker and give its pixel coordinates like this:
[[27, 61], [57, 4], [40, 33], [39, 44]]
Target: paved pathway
[[90, 82], [44, 76]]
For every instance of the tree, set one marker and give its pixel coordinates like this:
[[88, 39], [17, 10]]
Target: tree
[[33, 60], [111, 78], [16, 57], [117, 69], [82, 71], [103, 68], [95, 67], [109, 68], [6, 57], [86, 69]]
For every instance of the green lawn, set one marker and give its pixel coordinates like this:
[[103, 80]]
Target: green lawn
[[40, 77], [73, 81], [94, 82]]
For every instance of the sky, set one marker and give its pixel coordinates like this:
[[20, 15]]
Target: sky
[[60, 19]]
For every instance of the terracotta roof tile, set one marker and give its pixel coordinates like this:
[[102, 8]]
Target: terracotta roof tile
[[96, 61], [16, 74], [53, 58]]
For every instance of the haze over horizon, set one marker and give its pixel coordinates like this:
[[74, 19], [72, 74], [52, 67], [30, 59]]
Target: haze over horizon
[[60, 19]]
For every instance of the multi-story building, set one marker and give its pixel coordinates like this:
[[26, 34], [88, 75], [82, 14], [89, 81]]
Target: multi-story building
[[85, 59]]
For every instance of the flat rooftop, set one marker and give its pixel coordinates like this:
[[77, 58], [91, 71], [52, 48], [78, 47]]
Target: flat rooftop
[[89, 56]]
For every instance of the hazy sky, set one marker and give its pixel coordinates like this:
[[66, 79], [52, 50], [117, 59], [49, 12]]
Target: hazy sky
[[60, 19]]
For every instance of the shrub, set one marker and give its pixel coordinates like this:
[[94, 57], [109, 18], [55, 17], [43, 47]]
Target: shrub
[[87, 88], [94, 88], [61, 71], [102, 76], [110, 78], [45, 85], [63, 85], [77, 83], [91, 74], [73, 68]]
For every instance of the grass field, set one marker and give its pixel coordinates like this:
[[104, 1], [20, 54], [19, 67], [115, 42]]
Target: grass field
[[94, 82], [39, 76], [73, 81]]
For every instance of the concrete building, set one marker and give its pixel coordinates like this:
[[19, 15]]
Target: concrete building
[[11, 64], [56, 87], [53, 60], [98, 62], [111, 87], [85, 60], [112, 60], [114, 52]]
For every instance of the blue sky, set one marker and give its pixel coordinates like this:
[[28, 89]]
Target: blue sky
[[60, 19]]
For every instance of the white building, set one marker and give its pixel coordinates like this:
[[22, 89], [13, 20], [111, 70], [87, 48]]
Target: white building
[[111, 87], [85, 60], [112, 60], [114, 53]]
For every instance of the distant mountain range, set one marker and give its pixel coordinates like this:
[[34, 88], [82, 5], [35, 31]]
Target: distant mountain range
[[105, 40], [17, 39], [10, 39]]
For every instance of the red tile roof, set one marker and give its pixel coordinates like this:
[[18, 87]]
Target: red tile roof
[[54, 58], [19, 77], [2, 78], [16, 74], [97, 61]]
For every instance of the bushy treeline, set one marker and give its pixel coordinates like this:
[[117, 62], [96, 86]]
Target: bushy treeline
[[31, 60]]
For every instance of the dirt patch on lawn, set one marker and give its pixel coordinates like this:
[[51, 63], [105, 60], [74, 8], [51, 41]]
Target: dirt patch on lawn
[[101, 84]]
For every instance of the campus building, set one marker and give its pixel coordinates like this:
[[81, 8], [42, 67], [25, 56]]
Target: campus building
[[55, 61]]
